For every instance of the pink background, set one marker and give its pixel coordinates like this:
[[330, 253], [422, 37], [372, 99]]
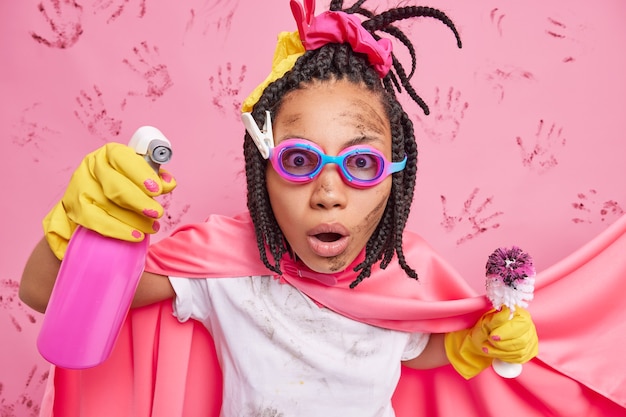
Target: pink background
[[524, 145]]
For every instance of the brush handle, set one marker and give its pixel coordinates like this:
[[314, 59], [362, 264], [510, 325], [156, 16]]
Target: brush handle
[[506, 369]]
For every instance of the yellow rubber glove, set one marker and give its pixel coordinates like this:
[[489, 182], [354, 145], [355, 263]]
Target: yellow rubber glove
[[495, 335], [111, 192]]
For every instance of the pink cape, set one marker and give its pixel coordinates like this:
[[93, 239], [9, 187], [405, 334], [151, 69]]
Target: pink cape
[[162, 368]]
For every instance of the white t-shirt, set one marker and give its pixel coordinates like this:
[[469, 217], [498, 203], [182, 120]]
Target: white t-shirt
[[283, 355]]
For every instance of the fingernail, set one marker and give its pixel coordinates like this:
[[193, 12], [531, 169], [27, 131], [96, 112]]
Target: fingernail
[[485, 350], [166, 176], [496, 338], [151, 213], [156, 226], [137, 234], [151, 185]]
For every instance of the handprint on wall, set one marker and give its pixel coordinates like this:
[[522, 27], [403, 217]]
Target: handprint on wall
[[214, 17], [64, 20], [147, 63], [28, 133], [93, 114], [172, 216], [225, 89], [566, 37], [27, 403], [446, 114], [497, 18], [589, 208], [501, 79], [472, 220], [115, 8], [19, 314], [541, 155], [556, 30]]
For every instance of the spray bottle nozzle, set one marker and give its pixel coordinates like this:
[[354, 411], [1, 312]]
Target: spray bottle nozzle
[[159, 152], [153, 145]]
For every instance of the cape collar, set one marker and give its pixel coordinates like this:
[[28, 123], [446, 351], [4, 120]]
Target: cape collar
[[224, 247], [296, 268]]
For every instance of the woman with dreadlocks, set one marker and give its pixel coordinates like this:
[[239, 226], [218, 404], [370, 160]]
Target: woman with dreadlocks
[[317, 295]]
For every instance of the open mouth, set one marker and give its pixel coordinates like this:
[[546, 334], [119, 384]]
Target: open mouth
[[329, 240], [328, 237]]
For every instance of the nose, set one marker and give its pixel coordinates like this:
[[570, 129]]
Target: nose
[[329, 190]]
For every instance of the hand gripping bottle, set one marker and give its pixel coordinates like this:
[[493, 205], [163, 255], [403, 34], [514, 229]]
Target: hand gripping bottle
[[96, 283]]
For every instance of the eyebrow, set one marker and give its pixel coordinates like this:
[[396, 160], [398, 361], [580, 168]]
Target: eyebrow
[[363, 139]]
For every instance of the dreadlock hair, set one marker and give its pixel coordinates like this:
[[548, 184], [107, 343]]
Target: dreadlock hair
[[335, 62]]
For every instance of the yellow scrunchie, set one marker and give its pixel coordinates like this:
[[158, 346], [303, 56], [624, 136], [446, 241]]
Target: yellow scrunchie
[[288, 49]]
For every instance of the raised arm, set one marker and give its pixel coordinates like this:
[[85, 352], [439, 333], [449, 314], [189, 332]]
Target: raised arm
[[111, 192], [42, 268], [39, 276]]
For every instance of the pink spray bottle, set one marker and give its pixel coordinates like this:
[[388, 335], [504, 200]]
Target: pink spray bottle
[[96, 283]]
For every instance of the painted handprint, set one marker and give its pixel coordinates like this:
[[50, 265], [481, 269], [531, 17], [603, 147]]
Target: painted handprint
[[64, 20], [146, 63], [214, 17], [474, 218], [565, 37], [225, 88], [556, 30], [29, 134], [114, 9], [497, 19], [500, 79], [446, 114], [541, 155], [94, 116], [590, 208], [19, 314], [27, 403], [172, 217]]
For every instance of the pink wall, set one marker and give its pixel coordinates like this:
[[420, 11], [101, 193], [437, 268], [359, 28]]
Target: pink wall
[[525, 142]]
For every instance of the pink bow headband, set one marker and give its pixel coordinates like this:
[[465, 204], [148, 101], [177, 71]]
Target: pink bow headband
[[315, 32], [340, 27]]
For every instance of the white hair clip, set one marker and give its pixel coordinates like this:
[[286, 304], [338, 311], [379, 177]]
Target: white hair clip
[[264, 139]]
